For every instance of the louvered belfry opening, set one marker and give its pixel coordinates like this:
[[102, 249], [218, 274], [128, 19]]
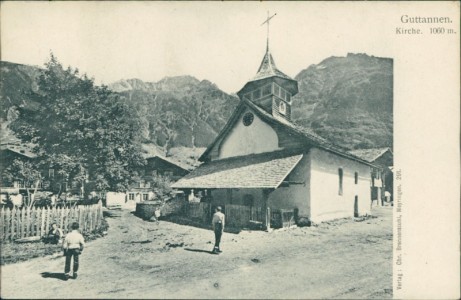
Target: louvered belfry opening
[[271, 89]]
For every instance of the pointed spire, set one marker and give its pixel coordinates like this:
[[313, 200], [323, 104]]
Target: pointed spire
[[268, 68], [268, 72]]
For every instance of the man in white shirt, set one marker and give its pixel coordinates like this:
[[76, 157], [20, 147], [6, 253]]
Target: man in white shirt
[[73, 246], [218, 228]]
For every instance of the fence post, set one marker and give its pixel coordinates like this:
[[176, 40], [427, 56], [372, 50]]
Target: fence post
[[61, 218], [90, 215], [17, 218], [21, 222], [42, 221], [268, 218], [80, 218], [66, 216]]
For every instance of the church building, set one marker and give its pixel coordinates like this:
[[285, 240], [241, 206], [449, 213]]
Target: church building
[[261, 159]]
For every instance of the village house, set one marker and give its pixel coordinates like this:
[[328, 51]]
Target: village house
[[51, 182], [11, 152], [261, 159], [15, 189], [381, 175], [156, 166]]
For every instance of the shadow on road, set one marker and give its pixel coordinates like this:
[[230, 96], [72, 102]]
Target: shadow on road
[[60, 276], [198, 250]]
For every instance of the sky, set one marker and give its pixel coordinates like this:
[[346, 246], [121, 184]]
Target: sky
[[218, 41]]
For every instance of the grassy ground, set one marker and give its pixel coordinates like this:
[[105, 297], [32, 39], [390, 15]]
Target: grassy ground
[[16, 252]]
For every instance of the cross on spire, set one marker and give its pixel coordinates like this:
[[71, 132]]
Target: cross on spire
[[267, 22]]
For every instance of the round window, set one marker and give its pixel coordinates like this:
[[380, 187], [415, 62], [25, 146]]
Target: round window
[[248, 119]]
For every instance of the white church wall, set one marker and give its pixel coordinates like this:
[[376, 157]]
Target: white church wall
[[326, 201], [295, 195], [259, 137]]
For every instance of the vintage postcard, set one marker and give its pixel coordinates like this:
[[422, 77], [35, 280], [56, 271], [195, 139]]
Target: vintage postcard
[[207, 150]]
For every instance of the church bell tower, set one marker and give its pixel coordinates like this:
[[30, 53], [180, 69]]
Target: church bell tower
[[270, 89]]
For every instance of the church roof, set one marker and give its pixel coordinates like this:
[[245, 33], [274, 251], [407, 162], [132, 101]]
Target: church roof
[[304, 134], [370, 154], [267, 170], [268, 69]]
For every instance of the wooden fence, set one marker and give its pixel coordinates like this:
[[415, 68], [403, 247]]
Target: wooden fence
[[199, 210], [241, 215], [36, 222], [236, 215]]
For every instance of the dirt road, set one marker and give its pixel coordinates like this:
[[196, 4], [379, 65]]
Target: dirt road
[[138, 259]]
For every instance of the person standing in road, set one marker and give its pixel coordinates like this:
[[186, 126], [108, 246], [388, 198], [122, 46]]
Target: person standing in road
[[73, 247], [218, 228]]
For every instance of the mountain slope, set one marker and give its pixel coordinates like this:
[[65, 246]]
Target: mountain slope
[[178, 111], [16, 83], [348, 100]]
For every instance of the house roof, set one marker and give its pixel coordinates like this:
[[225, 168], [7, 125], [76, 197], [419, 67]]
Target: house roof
[[266, 170], [303, 133], [20, 149], [169, 160], [371, 154]]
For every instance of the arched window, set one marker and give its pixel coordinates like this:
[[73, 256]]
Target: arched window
[[282, 107]]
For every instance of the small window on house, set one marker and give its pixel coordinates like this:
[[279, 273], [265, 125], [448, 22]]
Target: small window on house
[[282, 107], [51, 173], [130, 196], [356, 177], [145, 197], [340, 175]]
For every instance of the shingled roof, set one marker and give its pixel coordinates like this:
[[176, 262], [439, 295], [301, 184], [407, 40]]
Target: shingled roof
[[266, 170], [268, 69], [303, 133], [20, 149], [370, 154], [169, 160], [269, 72]]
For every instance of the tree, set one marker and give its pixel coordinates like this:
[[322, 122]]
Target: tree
[[25, 172], [84, 130]]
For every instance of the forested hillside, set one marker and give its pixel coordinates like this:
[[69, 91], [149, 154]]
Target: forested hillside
[[348, 100]]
